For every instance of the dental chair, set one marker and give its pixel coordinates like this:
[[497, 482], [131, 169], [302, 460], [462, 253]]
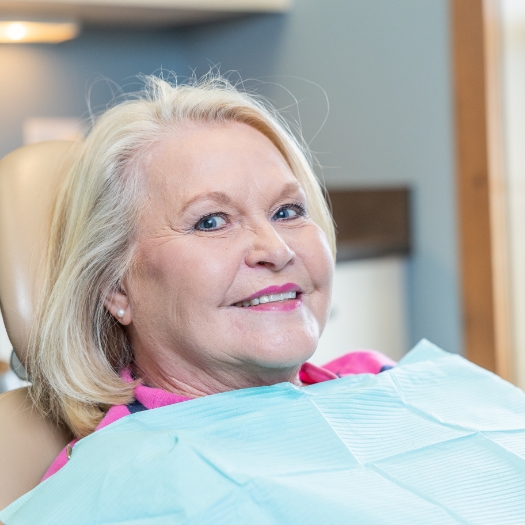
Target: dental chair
[[29, 180]]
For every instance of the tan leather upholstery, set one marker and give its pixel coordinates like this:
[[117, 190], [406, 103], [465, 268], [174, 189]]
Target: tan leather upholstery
[[28, 445], [29, 178]]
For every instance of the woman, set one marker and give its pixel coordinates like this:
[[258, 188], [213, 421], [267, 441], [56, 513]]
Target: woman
[[191, 253]]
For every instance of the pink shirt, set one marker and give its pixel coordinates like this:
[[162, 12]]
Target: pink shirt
[[357, 362]]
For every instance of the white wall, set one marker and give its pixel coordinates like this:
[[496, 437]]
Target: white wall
[[369, 309]]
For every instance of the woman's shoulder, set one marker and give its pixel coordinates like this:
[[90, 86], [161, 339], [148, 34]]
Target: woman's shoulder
[[29, 442]]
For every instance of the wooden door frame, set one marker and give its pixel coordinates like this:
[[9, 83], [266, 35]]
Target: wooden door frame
[[482, 209]]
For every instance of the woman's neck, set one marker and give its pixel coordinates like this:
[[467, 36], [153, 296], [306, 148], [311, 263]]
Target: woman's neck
[[196, 380]]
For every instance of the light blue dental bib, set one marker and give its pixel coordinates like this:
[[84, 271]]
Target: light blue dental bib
[[435, 440]]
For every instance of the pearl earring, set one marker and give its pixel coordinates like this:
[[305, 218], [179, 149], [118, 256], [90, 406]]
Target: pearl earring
[[120, 313]]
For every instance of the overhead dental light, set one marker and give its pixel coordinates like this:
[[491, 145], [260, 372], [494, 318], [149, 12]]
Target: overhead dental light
[[37, 31]]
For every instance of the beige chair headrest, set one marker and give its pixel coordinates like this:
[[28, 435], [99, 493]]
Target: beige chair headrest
[[29, 181]]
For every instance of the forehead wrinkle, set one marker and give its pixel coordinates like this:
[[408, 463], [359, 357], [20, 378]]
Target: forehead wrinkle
[[289, 189]]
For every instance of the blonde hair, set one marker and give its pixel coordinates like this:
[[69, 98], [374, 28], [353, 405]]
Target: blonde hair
[[78, 349]]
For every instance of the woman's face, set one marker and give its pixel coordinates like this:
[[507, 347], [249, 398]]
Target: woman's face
[[226, 226]]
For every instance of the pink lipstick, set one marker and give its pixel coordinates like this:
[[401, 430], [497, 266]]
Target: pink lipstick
[[284, 297]]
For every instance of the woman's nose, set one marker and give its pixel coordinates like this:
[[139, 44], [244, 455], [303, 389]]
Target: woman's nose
[[268, 249]]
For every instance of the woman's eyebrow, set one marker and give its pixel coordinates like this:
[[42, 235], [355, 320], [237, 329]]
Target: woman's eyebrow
[[218, 196], [289, 189], [221, 198]]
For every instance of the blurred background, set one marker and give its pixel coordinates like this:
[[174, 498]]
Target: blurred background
[[415, 112]]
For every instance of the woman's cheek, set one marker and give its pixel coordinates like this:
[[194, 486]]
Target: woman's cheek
[[319, 264], [208, 266], [313, 248]]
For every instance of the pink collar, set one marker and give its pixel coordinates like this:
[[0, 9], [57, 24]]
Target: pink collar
[[155, 397], [152, 397]]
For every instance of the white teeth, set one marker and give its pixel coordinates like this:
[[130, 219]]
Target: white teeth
[[272, 298]]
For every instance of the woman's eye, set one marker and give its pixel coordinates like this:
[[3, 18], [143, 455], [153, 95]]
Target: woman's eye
[[289, 212], [212, 222]]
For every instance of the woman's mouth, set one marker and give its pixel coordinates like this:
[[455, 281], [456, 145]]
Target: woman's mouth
[[266, 299], [285, 297]]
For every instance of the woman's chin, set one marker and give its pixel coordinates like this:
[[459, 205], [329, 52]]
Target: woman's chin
[[278, 341], [282, 356]]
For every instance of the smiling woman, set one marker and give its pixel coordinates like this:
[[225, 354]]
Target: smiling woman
[[182, 203], [230, 219], [191, 253]]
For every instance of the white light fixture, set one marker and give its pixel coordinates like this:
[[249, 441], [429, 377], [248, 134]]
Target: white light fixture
[[37, 31]]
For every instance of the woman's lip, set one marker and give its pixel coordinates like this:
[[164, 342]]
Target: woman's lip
[[288, 287], [278, 306]]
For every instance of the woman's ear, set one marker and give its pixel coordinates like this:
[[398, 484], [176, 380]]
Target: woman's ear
[[117, 305]]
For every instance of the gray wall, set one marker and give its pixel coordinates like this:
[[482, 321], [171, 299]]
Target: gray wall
[[382, 64], [57, 80]]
